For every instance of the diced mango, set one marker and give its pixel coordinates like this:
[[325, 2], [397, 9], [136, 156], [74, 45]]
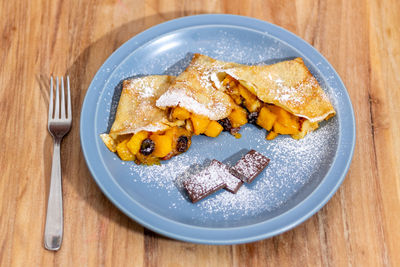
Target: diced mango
[[285, 118], [266, 118], [252, 106], [162, 145], [176, 132], [232, 89], [282, 129], [109, 142], [271, 135], [306, 127], [226, 80], [283, 115], [250, 100], [173, 131], [238, 117], [136, 141], [200, 123], [213, 129], [237, 135], [229, 82], [180, 113], [246, 94], [123, 152], [236, 98]]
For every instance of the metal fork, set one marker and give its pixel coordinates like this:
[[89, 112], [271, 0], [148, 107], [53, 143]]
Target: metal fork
[[58, 126]]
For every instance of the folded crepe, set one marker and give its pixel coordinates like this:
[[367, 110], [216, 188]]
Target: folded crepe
[[287, 84], [136, 108], [193, 89]]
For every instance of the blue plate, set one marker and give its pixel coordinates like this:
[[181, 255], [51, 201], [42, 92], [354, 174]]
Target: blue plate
[[302, 175]]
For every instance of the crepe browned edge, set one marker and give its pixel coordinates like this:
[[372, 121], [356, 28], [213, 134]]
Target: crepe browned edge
[[194, 91], [136, 108], [287, 84]]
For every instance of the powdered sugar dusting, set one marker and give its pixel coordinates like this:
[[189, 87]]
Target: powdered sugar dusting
[[181, 98], [144, 88], [154, 127]]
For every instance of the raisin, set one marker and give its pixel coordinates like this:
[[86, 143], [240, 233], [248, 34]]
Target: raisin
[[147, 147], [252, 117], [226, 123], [182, 143], [234, 131]]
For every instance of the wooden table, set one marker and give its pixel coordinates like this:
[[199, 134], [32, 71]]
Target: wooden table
[[358, 227]]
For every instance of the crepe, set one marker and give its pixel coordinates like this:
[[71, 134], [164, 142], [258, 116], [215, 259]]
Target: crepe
[[193, 89], [287, 84], [136, 108]]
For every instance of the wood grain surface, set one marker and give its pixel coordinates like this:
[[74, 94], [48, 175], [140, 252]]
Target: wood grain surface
[[360, 225]]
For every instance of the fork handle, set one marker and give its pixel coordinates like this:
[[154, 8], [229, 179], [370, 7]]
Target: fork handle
[[53, 231]]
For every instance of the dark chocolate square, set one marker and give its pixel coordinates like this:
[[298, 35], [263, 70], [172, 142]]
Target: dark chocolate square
[[205, 182], [250, 166]]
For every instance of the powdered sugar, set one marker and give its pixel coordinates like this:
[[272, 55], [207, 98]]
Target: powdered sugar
[[181, 98], [153, 127], [144, 88]]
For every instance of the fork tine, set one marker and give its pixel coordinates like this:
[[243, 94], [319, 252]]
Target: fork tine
[[57, 100], [51, 99], [62, 99], [69, 109]]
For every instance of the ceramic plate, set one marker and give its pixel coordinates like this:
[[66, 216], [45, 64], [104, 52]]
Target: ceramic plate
[[302, 175]]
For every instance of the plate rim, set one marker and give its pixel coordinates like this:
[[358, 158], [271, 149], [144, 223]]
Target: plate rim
[[219, 234]]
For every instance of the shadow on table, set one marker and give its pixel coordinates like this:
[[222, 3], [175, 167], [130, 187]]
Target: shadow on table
[[81, 73]]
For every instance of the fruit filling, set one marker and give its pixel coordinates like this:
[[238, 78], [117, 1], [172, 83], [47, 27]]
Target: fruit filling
[[274, 119], [198, 124], [150, 147]]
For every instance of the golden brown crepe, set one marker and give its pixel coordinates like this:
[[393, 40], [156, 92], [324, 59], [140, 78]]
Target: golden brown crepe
[[287, 84], [193, 89], [142, 132], [136, 108]]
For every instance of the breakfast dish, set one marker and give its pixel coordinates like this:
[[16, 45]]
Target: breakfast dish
[[283, 98], [302, 176], [142, 132]]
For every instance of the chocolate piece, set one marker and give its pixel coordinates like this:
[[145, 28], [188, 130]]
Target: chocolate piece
[[250, 166], [205, 183], [232, 183]]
